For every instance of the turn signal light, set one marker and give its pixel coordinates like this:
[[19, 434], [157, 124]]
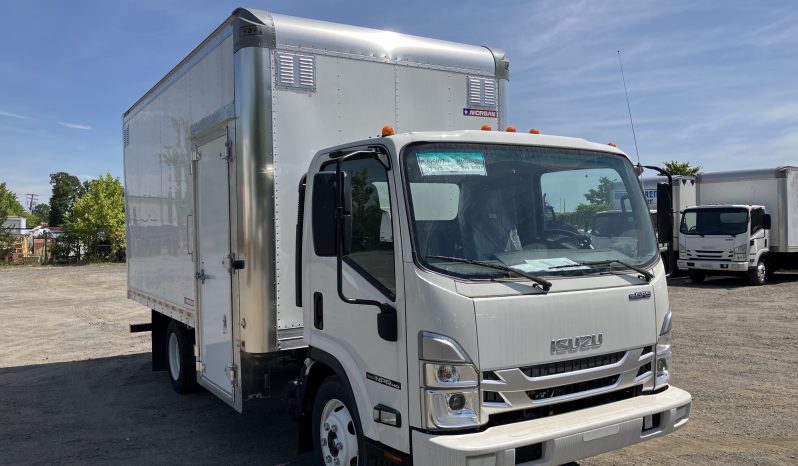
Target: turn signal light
[[387, 131], [534, 131], [486, 128]]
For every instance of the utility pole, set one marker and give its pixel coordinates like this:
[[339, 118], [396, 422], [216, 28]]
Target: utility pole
[[32, 198]]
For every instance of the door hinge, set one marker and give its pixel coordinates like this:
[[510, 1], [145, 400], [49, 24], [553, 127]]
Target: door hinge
[[228, 153], [231, 264], [195, 153], [231, 372], [200, 367]]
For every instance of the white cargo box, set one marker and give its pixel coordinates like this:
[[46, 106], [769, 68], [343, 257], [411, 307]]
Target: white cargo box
[[774, 188]]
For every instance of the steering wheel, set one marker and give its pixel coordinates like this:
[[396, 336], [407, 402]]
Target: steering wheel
[[557, 237]]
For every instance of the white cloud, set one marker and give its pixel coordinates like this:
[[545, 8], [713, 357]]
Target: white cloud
[[13, 115], [74, 125]]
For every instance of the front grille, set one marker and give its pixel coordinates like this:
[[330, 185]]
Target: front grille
[[529, 414], [561, 382], [572, 388], [571, 365]]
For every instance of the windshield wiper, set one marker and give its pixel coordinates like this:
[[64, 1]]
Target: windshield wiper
[[540, 281], [645, 273]]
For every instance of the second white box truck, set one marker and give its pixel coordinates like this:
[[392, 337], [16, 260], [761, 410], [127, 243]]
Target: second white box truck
[[745, 222], [433, 317]]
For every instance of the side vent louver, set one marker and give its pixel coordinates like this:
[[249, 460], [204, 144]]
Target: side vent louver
[[481, 92], [126, 136], [295, 70]]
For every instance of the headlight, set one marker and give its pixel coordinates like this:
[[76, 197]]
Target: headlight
[[740, 253], [452, 409], [682, 251], [663, 363], [450, 375], [450, 384]]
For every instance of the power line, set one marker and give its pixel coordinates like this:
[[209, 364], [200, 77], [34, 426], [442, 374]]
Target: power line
[[32, 199]]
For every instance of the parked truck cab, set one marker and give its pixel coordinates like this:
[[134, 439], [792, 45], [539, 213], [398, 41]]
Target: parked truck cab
[[450, 323], [723, 239]]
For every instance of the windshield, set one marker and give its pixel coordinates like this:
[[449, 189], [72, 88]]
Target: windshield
[[715, 221], [538, 210]]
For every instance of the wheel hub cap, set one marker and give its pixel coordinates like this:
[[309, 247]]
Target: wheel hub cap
[[338, 436]]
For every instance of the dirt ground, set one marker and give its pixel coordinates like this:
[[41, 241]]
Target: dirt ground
[[76, 387]]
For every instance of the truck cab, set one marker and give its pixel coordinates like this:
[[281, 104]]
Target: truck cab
[[448, 324], [725, 239]]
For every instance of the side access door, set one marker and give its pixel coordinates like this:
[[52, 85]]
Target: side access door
[[216, 369], [376, 367]]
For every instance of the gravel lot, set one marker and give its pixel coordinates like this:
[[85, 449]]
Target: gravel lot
[[76, 387]]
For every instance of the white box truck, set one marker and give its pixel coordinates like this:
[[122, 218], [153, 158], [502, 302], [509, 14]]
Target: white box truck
[[410, 277], [745, 222]]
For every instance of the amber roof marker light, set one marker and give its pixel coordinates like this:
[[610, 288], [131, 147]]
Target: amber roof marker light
[[534, 131], [486, 128], [387, 130], [510, 129]]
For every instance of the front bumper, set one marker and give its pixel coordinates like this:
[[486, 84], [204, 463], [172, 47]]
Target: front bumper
[[563, 438], [719, 266]]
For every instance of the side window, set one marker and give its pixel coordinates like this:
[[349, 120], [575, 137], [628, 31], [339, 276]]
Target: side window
[[372, 230], [757, 220]]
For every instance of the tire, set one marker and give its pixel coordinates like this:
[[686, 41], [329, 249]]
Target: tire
[[181, 364], [697, 276], [336, 430], [758, 275]]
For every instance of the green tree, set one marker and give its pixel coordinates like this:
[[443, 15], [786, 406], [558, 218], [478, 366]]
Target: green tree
[[66, 189], [98, 218], [9, 206], [681, 168], [40, 215], [601, 194]]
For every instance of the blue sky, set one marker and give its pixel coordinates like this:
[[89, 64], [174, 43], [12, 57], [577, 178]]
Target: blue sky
[[711, 82]]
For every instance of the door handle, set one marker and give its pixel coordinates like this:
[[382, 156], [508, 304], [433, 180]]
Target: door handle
[[318, 310], [189, 240], [201, 276]]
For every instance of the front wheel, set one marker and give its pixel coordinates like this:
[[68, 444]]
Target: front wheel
[[338, 437], [758, 274]]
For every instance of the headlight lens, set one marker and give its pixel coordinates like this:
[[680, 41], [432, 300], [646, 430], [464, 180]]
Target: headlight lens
[[664, 343], [442, 375], [452, 409], [740, 252]]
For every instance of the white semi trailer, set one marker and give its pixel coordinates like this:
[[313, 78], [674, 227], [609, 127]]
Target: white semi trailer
[[411, 277], [744, 222]]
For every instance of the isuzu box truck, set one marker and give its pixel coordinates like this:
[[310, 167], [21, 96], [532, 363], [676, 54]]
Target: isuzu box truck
[[274, 218], [745, 222]]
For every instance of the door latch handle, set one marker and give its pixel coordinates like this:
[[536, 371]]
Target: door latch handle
[[201, 276]]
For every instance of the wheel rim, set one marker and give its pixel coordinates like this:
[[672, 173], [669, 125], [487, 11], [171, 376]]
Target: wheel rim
[[760, 272], [338, 435], [174, 356]]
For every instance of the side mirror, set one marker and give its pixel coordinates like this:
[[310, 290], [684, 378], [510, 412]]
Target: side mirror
[[344, 213], [664, 212], [766, 222], [323, 215]]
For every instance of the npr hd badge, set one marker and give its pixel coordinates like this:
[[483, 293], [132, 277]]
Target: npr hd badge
[[479, 112], [639, 295]]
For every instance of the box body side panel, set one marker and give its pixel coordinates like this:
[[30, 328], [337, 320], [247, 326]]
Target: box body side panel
[[159, 182]]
